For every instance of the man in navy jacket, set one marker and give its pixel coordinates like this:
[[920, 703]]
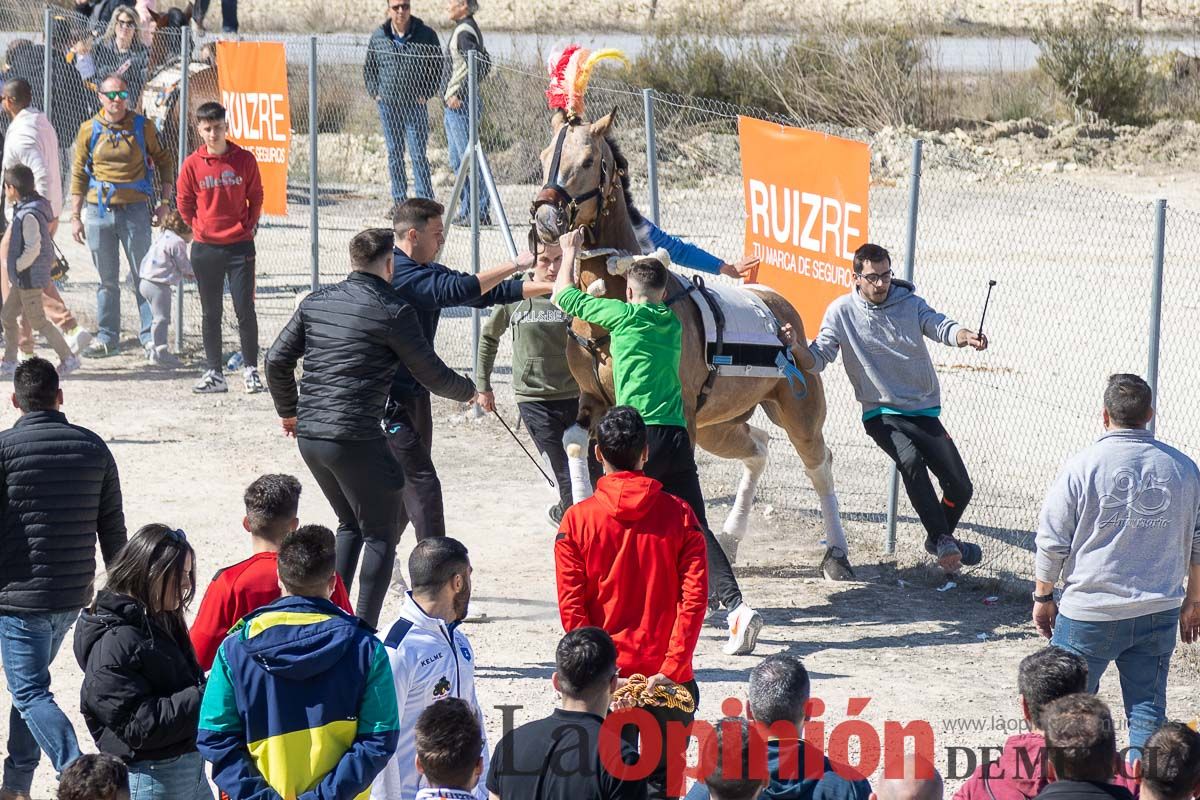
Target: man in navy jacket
[[429, 287]]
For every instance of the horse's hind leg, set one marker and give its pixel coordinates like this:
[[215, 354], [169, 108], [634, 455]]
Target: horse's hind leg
[[747, 444]]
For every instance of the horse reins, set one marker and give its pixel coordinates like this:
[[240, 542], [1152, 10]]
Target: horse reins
[[566, 205]]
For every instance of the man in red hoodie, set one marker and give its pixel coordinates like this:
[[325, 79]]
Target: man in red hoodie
[[1020, 773], [220, 195], [631, 560]]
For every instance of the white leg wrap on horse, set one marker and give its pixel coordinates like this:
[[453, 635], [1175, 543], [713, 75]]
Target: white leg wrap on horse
[[822, 480], [575, 441], [737, 524]]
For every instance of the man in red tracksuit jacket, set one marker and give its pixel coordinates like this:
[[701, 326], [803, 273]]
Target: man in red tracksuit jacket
[[220, 195], [631, 560]]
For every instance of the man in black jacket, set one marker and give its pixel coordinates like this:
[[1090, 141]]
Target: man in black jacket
[[61, 494], [402, 70], [354, 337], [429, 287]]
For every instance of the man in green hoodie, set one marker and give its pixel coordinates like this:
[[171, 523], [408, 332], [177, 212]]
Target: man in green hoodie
[[547, 395]]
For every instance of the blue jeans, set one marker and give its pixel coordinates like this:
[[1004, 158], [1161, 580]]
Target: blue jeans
[[406, 124], [458, 137], [28, 645], [1142, 648], [125, 227], [179, 778]]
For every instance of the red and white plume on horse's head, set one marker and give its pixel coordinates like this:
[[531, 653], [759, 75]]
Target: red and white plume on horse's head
[[570, 70]]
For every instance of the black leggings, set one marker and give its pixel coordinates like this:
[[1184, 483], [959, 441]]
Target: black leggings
[[672, 462], [211, 263], [920, 445], [363, 483], [546, 421], [410, 440]]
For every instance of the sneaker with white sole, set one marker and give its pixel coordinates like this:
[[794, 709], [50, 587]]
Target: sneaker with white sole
[[77, 339], [69, 365], [99, 349], [254, 384], [212, 382], [744, 626], [7, 368], [165, 358]]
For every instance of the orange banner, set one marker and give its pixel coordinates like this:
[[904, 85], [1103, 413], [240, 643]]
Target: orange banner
[[806, 211], [253, 80]]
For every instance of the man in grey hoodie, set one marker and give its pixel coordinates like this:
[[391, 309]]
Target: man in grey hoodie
[[1121, 527], [881, 325]]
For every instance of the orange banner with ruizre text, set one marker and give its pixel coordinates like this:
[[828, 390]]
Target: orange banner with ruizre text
[[806, 211], [252, 77]]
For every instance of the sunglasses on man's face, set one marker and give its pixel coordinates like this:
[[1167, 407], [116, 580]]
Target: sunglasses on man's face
[[401, 7], [121, 94], [125, 23]]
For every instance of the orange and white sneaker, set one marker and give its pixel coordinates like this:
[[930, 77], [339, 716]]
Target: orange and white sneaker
[[744, 626]]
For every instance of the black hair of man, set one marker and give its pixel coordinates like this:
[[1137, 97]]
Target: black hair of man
[[1171, 763], [95, 776], [36, 385], [272, 502], [1080, 739], [779, 689], [210, 112], [435, 561], [415, 212], [621, 435], [307, 558], [870, 252], [368, 247], [648, 275], [18, 91], [586, 661], [449, 743], [20, 177], [1048, 674], [741, 780], [1128, 400]]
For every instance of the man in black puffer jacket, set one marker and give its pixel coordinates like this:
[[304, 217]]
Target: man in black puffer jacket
[[60, 494], [353, 336]]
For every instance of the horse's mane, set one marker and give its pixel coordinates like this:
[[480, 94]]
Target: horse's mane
[[623, 171]]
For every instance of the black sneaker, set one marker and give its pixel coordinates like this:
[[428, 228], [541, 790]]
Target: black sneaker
[[972, 554], [835, 566], [555, 514]]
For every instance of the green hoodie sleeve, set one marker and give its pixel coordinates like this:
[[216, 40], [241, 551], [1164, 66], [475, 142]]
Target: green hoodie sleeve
[[608, 314], [489, 344]]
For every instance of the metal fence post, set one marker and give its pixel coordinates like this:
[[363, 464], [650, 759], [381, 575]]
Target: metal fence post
[[914, 200], [651, 153], [185, 60], [1156, 284], [47, 64], [313, 233], [473, 109]]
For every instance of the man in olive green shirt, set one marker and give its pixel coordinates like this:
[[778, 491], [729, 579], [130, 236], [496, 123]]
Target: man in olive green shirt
[[646, 343]]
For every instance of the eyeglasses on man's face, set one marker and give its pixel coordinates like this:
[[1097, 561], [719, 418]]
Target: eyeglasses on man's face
[[120, 94], [876, 279]]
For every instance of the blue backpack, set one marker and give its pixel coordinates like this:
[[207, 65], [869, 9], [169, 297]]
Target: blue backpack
[[106, 189]]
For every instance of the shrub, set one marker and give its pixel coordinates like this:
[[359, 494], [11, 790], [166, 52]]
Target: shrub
[[1099, 63]]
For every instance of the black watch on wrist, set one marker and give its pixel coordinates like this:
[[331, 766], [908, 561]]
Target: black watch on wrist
[[1043, 598]]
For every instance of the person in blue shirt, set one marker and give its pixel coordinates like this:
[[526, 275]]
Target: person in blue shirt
[[685, 254]]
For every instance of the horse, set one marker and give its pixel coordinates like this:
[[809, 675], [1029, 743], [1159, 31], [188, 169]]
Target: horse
[[590, 190]]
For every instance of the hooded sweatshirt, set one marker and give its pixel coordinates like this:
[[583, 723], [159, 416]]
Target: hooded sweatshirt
[[1019, 773], [885, 356], [300, 699], [220, 197], [1121, 527], [540, 371], [631, 560]]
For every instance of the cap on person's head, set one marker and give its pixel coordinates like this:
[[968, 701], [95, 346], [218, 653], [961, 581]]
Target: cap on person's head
[[449, 743], [1080, 739], [1048, 674], [586, 662], [779, 689], [1171, 763], [742, 777]]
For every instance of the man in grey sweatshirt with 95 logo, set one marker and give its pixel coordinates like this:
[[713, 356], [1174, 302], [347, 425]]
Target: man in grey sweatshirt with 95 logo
[[1121, 527]]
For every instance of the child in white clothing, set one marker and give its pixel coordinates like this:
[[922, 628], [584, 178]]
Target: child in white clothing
[[165, 266]]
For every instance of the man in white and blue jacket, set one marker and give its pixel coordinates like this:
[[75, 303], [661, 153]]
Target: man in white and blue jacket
[[430, 657], [881, 326], [1121, 528]]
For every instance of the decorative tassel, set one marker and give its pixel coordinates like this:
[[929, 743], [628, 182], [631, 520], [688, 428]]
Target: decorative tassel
[[570, 70]]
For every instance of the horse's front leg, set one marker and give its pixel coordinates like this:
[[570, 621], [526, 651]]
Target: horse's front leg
[[576, 440]]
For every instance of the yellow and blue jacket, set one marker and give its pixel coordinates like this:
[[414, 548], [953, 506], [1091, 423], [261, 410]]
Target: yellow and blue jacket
[[300, 704]]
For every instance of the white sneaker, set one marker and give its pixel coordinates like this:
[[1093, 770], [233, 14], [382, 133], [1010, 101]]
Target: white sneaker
[[254, 384], [744, 626], [151, 354], [77, 339], [165, 358], [68, 365], [212, 382]]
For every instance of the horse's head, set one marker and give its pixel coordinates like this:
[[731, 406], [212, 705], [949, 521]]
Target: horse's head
[[167, 29], [581, 177]]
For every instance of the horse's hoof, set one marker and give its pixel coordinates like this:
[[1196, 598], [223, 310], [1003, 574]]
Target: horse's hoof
[[835, 566]]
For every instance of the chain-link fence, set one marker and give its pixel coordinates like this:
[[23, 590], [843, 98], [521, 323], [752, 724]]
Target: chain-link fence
[[1074, 265]]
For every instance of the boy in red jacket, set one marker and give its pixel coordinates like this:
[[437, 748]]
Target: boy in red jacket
[[220, 195], [631, 560], [271, 505]]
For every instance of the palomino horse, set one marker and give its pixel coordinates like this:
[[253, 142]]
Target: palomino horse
[[591, 191]]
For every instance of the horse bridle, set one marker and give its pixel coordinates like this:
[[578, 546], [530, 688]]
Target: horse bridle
[[566, 205]]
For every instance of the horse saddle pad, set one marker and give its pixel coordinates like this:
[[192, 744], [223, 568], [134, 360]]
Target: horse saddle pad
[[741, 334], [162, 91]]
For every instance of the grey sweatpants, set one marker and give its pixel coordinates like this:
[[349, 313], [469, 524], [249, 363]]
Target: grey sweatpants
[[158, 295]]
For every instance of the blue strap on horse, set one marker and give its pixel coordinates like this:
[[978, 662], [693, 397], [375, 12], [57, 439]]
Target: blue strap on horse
[[106, 189], [795, 378]]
